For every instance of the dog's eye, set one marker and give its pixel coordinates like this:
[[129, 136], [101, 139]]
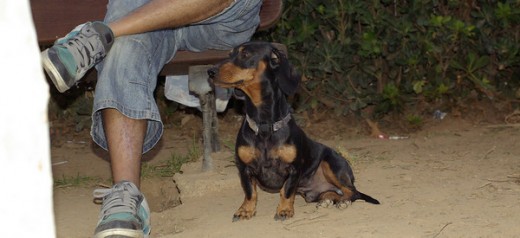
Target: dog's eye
[[244, 54]]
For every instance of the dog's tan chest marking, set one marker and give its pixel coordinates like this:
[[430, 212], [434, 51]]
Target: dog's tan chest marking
[[248, 153], [286, 153]]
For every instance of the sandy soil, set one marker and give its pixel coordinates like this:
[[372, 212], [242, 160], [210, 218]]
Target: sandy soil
[[452, 179]]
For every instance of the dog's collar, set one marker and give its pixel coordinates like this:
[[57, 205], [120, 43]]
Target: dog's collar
[[267, 127]]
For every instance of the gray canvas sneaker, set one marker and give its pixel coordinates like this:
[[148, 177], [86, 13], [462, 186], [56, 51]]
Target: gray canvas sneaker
[[67, 61], [124, 213]]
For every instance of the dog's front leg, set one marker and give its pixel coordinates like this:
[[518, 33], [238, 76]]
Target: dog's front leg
[[285, 208], [248, 208]]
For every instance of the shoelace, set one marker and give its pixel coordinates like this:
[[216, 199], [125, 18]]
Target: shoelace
[[83, 49], [119, 199]]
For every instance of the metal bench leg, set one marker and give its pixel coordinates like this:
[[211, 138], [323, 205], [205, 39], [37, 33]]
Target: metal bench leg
[[198, 83], [210, 126]]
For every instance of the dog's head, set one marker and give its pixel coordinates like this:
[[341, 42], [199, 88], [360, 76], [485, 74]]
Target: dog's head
[[255, 67]]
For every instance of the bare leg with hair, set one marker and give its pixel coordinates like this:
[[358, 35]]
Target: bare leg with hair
[[125, 137]]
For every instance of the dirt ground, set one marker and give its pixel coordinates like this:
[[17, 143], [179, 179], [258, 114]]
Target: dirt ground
[[452, 178]]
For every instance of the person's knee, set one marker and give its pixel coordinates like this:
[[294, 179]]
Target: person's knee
[[137, 55]]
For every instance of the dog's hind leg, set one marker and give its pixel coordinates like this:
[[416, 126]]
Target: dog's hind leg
[[337, 171], [340, 181]]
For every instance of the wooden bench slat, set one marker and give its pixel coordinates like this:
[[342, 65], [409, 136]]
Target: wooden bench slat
[[183, 59], [270, 13], [55, 18]]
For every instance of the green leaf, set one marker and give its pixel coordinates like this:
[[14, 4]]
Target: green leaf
[[442, 89], [418, 86], [481, 62]]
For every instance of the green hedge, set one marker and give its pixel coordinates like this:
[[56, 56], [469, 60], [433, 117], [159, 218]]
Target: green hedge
[[389, 53]]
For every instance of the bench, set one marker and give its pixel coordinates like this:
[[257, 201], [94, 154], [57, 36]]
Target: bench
[[55, 18]]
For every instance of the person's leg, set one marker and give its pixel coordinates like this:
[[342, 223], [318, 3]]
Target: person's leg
[[73, 55], [224, 31], [126, 122], [125, 137], [126, 119], [125, 132], [162, 14], [125, 212]]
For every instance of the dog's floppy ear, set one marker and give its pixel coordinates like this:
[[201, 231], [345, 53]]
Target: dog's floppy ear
[[288, 79]]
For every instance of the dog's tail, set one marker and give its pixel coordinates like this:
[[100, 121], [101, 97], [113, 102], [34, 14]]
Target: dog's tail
[[366, 198]]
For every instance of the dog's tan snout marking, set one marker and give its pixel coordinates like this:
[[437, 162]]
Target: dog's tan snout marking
[[286, 153], [230, 73], [248, 153]]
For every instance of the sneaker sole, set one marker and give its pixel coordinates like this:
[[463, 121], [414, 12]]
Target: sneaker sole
[[120, 233], [53, 73]]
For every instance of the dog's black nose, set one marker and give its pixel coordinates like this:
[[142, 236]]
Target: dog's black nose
[[212, 72]]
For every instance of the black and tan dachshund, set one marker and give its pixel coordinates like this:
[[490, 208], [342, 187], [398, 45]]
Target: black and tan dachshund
[[271, 150]]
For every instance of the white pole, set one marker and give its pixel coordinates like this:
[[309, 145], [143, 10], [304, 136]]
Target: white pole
[[25, 173]]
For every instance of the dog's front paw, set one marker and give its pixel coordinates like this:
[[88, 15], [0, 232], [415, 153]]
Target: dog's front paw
[[282, 215], [243, 214]]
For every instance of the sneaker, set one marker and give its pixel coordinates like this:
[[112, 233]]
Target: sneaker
[[124, 212], [67, 61]]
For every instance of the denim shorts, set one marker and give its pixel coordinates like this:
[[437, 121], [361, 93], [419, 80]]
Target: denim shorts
[[127, 77]]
